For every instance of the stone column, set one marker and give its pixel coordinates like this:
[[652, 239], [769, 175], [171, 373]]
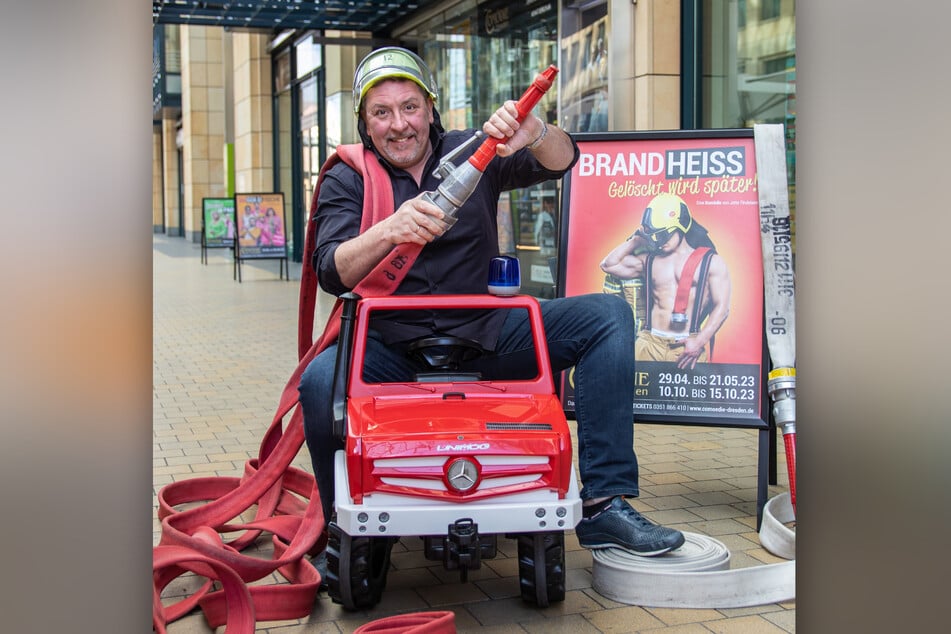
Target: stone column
[[203, 121], [253, 121], [656, 65]]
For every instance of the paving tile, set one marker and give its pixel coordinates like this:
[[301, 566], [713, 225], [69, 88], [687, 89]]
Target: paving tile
[[578, 559], [673, 477], [503, 611], [717, 511], [403, 600], [662, 490], [701, 445], [749, 610], [454, 576], [502, 588], [702, 486], [680, 616], [687, 628], [675, 516], [623, 620], [411, 578], [668, 502], [742, 559], [577, 579], [719, 527], [710, 498], [448, 594], [738, 543], [652, 459], [576, 602], [699, 463], [502, 566], [744, 625], [565, 624]]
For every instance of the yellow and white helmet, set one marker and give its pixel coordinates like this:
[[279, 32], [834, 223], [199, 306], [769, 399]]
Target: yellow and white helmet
[[391, 62], [665, 214]]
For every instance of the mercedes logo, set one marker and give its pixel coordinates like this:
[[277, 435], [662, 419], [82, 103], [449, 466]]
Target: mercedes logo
[[462, 474]]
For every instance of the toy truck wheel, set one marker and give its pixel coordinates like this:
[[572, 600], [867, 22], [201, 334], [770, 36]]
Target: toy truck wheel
[[356, 568], [541, 567]]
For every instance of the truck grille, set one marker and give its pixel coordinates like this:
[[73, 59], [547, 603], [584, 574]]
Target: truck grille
[[425, 474]]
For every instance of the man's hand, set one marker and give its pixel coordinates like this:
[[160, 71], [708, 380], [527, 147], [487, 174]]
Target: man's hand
[[417, 220], [692, 351], [504, 125]]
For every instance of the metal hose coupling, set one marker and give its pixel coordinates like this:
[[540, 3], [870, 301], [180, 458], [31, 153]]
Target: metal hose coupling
[[782, 391], [458, 182]]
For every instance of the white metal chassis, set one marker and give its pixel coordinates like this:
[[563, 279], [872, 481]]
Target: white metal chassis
[[383, 515]]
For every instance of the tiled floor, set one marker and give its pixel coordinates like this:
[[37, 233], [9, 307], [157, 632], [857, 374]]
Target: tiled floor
[[223, 353]]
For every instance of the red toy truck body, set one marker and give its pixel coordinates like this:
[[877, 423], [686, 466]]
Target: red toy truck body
[[451, 457]]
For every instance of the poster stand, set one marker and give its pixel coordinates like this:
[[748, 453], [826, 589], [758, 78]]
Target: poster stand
[[260, 234], [704, 183], [217, 225]]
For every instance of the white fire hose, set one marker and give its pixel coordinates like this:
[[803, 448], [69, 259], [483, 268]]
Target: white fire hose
[[698, 574]]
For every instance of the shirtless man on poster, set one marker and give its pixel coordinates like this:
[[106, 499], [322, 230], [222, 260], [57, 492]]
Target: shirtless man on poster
[[667, 247]]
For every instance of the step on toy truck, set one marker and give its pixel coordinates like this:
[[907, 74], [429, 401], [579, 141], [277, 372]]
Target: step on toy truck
[[450, 456]]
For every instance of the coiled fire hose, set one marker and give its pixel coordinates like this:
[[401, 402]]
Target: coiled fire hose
[[779, 282]]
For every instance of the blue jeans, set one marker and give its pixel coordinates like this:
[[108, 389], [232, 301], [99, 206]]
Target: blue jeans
[[594, 333]]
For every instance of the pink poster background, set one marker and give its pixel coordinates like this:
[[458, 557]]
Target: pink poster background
[[606, 205]]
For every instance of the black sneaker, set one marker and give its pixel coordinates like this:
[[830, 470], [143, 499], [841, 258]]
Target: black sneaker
[[621, 526]]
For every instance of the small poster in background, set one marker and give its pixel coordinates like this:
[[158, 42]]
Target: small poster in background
[[260, 226], [218, 222]]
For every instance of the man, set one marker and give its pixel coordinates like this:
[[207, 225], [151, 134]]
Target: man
[[687, 283], [394, 99], [217, 228]]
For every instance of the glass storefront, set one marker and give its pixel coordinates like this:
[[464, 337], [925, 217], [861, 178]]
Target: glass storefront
[[584, 71], [299, 144], [748, 56], [310, 139], [283, 151], [738, 69], [482, 55]]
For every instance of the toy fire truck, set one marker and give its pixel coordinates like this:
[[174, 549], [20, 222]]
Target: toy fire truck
[[450, 456]]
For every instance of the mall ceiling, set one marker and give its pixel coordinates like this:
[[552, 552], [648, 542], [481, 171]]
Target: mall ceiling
[[375, 16]]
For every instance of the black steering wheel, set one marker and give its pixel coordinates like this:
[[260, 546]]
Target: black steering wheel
[[444, 352]]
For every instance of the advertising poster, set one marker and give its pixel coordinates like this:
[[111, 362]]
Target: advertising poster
[[260, 220], [218, 219], [670, 222]]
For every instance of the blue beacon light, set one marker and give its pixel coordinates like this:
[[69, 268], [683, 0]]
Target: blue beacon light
[[504, 277]]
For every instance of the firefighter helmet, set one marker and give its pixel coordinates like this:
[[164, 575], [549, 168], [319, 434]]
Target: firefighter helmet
[[664, 215], [391, 62]]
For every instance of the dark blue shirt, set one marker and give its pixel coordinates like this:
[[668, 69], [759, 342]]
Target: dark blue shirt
[[456, 262]]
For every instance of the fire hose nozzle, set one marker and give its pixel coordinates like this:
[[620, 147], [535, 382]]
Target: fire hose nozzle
[[459, 181], [782, 390], [453, 192]]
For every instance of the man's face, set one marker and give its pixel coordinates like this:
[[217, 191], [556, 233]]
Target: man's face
[[672, 243], [661, 242], [397, 114]]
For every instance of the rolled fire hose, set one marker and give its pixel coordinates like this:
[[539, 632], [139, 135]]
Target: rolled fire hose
[[779, 283], [698, 574]]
